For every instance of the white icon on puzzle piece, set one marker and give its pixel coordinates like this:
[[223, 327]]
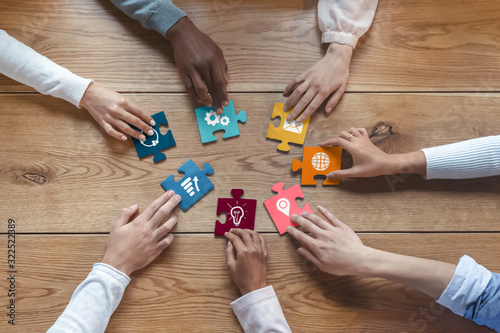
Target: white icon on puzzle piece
[[293, 126], [237, 214], [283, 205], [212, 118], [155, 140], [320, 161], [187, 184]]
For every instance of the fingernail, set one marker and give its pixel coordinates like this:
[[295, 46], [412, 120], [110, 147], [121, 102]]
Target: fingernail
[[142, 137], [133, 206], [219, 110], [124, 138], [330, 175], [152, 122], [328, 110], [299, 120], [228, 242], [177, 197], [209, 105], [170, 192], [150, 132], [304, 213], [226, 103], [320, 207]]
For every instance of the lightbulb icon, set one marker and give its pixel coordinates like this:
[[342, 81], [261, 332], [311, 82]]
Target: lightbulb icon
[[237, 214]]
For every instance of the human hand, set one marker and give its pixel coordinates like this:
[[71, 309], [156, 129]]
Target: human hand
[[133, 245], [311, 88], [369, 160], [201, 64], [114, 113], [246, 256], [332, 246]]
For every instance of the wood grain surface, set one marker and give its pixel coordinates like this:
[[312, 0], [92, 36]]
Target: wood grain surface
[[61, 173], [413, 45], [187, 289]]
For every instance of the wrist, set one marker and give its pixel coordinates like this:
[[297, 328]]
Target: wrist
[[246, 290], [409, 163], [108, 260], [340, 50], [178, 29], [84, 101], [370, 263]]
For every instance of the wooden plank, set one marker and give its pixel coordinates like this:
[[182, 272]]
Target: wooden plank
[[422, 45], [59, 173], [188, 289]]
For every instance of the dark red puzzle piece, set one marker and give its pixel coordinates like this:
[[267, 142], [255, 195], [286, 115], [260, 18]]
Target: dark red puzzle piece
[[240, 213]]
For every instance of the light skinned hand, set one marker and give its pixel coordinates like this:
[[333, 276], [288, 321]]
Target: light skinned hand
[[134, 244], [114, 113], [246, 256], [369, 160], [325, 80], [331, 245], [201, 64]]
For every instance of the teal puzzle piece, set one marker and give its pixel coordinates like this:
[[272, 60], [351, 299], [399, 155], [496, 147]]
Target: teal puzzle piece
[[209, 121], [193, 186], [156, 143]]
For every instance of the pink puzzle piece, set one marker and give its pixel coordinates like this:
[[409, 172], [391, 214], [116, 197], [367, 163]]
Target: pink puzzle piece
[[240, 213], [282, 206]]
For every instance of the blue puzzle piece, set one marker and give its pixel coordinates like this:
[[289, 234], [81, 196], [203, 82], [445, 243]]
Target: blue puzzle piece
[[192, 186], [209, 121], [157, 142]]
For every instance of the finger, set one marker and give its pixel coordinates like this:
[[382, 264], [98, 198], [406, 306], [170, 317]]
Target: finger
[[333, 101], [364, 132], [245, 235], [155, 205], [220, 84], [207, 78], [114, 133], [124, 216], [236, 241], [345, 135], [139, 112], [354, 131], [316, 220], [125, 128], [353, 172], [263, 244], [165, 228], [330, 217], [188, 84], [165, 242], [300, 90], [201, 89], [304, 101], [304, 239], [307, 225], [164, 212], [256, 239], [291, 86], [308, 255], [133, 120], [230, 254], [339, 142], [311, 108]]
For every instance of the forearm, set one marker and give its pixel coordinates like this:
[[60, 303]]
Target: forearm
[[93, 301], [23, 64], [159, 15], [427, 276], [345, 21]]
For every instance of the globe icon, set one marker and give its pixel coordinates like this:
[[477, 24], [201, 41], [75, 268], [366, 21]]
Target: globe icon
[[320, 161]]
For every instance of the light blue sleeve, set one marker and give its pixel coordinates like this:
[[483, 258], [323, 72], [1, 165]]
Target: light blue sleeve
[[93, 302], [159, 15], [474, 293]]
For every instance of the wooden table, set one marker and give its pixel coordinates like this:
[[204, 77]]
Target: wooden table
[[427, 73]]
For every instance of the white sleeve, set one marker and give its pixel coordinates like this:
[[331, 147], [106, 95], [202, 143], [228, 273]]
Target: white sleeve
[[466, 286], [474, 158], [23, 64], [93, 301], [345, 21], [260, 312]]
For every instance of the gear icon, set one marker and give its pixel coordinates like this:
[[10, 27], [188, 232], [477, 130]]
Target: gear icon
[[209, 120], [224, 121]]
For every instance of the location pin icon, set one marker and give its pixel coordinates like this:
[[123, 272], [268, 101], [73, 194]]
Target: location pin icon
[[283, 206]]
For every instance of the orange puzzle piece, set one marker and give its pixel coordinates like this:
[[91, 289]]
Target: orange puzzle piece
[[318, 161], [288, 131]]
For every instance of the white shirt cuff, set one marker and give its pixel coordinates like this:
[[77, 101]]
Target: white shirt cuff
[[339, 37], [466, 286]]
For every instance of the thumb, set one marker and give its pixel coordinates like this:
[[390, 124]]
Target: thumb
[[230, 256], [346, 173], [308, 255], [332, 101], [125, 215]]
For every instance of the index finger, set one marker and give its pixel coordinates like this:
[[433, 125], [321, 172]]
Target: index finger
[[220, 84], [304, 239], [236, 241], [316, 220], [338, 141], [164, 212], [140, 113], [155, 205]]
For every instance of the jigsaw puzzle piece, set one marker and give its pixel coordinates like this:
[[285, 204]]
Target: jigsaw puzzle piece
[[240, 213], [287, 131], [193, 186], [209, 122], [282, 206], [157, 142], [318, 161]]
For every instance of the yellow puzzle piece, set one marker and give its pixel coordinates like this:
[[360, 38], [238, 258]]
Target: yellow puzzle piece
[[288, 131]]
